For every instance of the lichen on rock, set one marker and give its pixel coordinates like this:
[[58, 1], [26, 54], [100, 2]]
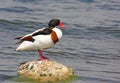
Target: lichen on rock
[[45, 71]]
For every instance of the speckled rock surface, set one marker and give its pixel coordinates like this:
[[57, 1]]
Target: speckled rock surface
[[45, 71]]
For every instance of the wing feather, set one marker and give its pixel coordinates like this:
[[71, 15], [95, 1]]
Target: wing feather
[[29, 37]]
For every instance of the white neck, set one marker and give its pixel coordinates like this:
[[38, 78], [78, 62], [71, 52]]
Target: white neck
[[58, 32]]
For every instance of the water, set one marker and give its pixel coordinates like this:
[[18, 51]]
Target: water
[[90, 45]]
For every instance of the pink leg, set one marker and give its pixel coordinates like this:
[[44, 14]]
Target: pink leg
[[41, 55]]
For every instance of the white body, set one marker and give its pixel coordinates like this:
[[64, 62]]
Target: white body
[[41, 41]]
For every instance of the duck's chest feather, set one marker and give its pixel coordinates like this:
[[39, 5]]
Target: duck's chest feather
[[54, 37], [56, 34]]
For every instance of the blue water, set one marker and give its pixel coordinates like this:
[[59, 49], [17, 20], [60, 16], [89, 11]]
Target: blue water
[[90, 44]]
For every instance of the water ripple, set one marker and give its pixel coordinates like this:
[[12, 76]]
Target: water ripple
[[90, 43]]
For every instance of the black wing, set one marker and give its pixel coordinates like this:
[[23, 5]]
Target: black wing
[[45, 31]]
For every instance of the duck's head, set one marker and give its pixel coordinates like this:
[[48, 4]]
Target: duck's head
[[55, 22]]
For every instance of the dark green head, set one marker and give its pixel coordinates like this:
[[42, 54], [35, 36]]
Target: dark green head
[[55, 22]]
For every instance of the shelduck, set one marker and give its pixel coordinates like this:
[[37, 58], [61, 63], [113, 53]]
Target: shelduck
[[42, 38]]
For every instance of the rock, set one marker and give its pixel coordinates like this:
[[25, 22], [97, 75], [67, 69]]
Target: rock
[[45, 71]]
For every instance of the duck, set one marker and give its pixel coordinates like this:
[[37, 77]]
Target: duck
[[41, 39]]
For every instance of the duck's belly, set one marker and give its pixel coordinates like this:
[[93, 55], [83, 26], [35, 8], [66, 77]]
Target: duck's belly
[[41, 42]]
